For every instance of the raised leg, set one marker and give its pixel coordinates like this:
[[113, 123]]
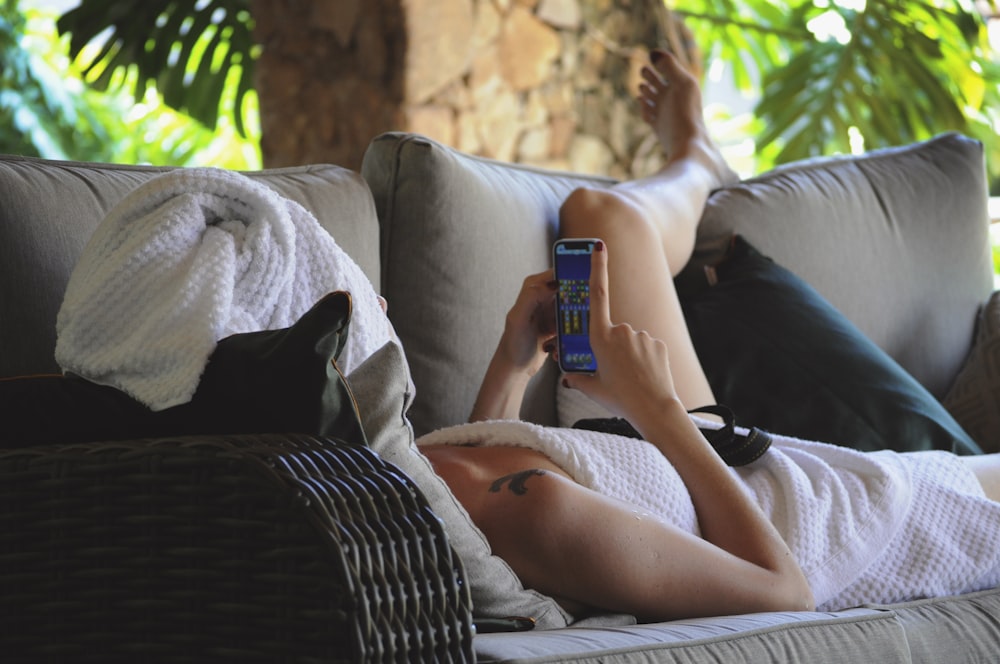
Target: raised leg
[[649, 224], [987, 471]]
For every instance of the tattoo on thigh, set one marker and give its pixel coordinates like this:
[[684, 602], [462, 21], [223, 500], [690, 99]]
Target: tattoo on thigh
[[516, 481]]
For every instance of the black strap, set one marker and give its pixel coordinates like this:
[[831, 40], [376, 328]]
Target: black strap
[[735, 449]]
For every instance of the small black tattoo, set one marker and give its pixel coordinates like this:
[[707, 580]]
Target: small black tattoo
[[516, 480]]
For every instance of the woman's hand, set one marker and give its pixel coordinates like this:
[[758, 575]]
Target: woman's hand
[[633, 379], [633, 369], [529, 331], [528, 337]]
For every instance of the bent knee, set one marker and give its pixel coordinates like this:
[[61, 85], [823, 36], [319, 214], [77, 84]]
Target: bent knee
[[596, 212]]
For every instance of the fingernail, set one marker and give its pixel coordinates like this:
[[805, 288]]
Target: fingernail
[[565, 382], [599, 246]]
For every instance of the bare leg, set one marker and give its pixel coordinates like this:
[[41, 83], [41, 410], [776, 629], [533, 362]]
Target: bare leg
[[649, 224], [987, 471]]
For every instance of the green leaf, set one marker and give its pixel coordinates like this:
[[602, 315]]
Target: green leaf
[[183, 47]]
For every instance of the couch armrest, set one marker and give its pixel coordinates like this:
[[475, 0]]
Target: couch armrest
[[271, 547]]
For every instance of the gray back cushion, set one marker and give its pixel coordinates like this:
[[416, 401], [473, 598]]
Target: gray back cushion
[[896, 239], [459, 235], [48, 210]]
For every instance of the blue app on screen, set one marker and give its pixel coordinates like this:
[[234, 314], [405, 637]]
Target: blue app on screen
[[572, 262]]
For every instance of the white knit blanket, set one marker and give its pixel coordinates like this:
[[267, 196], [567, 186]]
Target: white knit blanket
[[191, 257], [860, 525]]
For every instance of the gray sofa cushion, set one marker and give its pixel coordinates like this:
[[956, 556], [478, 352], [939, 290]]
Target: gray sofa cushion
[[951, 629], [459, 235], [858, 635], [896, 239], [931, 631], [50, 209]]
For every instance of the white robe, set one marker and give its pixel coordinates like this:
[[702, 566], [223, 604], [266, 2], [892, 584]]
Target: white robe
[[865, 527]]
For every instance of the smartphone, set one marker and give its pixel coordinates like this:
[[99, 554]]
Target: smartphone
[[571, 259]]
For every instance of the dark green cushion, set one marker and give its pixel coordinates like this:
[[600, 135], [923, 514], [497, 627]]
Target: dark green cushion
[[278, 381], [787, 361]]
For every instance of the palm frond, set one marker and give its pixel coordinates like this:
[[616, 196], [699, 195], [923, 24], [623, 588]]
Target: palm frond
[[188, 49]]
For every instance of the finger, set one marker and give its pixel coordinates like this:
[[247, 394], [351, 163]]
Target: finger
[[670, 64], [653, 78], [600, 306], [663, 60], [539, 280], [550, 346], [544, 285], [537, 289], [547, 317]]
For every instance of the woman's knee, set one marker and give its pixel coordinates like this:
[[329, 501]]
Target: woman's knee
[[596, 212]]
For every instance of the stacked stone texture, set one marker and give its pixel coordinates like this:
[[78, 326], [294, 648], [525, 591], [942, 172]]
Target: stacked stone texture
[[542, 82]]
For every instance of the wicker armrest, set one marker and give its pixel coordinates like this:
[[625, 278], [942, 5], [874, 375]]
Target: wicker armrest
[[287, 548]]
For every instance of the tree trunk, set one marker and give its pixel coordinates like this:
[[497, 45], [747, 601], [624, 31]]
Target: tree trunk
[[329, 77], [543, 82]]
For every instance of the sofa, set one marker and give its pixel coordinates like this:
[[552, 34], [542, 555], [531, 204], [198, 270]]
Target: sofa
[[299, 546]]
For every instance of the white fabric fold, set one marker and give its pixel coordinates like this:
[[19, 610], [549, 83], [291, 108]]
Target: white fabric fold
[[188, 258]]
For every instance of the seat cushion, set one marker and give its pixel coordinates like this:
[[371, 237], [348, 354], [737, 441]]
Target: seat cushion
[[948, 629], [858, 635], [50, 209]]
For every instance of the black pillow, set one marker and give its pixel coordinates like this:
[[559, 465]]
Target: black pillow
[[278, 381], [787, 361]]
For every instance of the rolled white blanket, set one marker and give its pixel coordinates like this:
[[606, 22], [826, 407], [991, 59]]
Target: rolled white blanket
[[188, 258]]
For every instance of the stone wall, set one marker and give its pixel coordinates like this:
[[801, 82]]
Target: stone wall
[[542, 82]]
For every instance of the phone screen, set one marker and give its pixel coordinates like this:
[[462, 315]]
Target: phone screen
[[572, 265]]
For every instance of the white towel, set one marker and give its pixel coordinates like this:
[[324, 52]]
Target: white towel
[[606, 463], [188, 258]]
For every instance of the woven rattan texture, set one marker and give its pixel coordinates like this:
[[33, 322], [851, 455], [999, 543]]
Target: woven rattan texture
[[277, 548]]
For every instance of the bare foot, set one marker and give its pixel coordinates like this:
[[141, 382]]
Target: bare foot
[[670, 102]]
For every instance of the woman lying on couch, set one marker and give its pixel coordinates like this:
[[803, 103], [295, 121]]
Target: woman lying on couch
[[806, 525]]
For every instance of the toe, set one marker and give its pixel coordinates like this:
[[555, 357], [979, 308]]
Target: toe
[[654, 78]]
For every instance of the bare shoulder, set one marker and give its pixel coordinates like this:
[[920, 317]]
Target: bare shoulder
[[473, 473]]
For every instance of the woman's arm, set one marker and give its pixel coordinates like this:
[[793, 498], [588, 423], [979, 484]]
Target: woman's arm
[[526, 341], [634, 380], [590, 551]]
